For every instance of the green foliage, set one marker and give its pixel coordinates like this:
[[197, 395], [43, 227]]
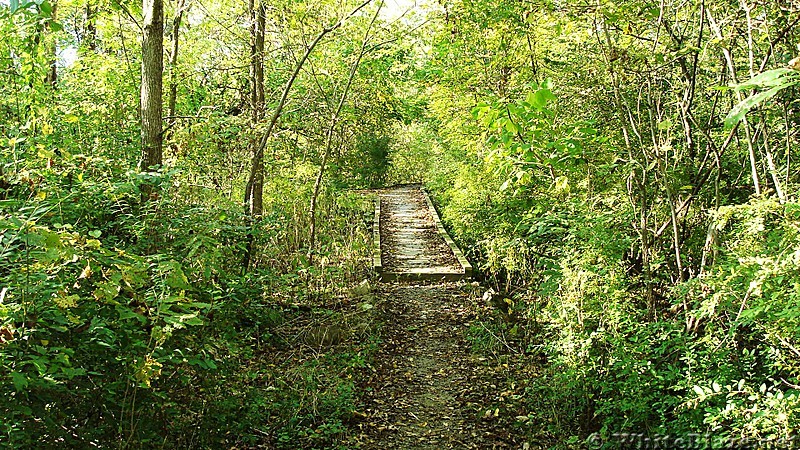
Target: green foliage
[[659, 292], [106, 297], [80, 313], [774, 80], [367, 164], [129, 320], [529, 138]]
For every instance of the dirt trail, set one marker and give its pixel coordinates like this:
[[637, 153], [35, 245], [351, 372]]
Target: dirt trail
[[429, 391]]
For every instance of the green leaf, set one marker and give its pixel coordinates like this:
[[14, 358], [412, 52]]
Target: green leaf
[[46, 9], [13, 6], [541, 97], [182, 319], [511, 127], [51, 240], [699, 391], [770, 78], [194, 321], [34, 239], [135, 277], [106, 292], [200, 305], [479, 111], [95, 233], [740, 110], [19, 380], [127, 313], [177, 279], [73, 372], [45, 153]]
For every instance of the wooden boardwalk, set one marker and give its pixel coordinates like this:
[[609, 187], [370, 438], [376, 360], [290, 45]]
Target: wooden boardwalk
[[410, 242]]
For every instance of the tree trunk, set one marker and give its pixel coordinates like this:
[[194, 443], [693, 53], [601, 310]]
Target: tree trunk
[[773, 170], [173, 60], [732, 72], [151, 89], [255, 168], [636, 185], [51, 78], [257, 98], [256, 184], [90, 28]]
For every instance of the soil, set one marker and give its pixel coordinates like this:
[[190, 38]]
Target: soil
[[429, 390]]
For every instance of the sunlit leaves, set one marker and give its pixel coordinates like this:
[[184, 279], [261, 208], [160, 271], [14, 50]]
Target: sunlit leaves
[[540, 97], [769, 79], [775, 80], [528, 138]]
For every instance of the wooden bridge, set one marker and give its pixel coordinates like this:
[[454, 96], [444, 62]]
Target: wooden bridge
[[410, 243]]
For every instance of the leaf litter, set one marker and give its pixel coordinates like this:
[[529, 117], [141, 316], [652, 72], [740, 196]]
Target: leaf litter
[[428, 389]]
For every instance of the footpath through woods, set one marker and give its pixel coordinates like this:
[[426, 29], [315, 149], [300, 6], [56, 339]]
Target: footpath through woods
[[429, 390]]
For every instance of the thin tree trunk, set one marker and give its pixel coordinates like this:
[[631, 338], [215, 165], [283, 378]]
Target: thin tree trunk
[[773, 170], [90, 28], [172, 98], [259, 73], [255, 169], [151, 88], [732, 71], [256, 185], [329, 139], [750, 56], [534, 69], [676, 237], [51, 79], [788, 127], [636, 187], [173, 61]]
